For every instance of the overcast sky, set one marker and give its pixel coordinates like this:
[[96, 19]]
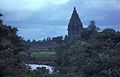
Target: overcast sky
[[38, 19]]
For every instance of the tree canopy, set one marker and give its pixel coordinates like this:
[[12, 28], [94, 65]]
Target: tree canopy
[[10, 48], [97, 56]]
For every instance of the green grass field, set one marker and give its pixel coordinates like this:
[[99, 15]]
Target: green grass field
[[44, 55]]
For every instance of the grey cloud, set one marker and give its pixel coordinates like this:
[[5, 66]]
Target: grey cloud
[[56, 17]]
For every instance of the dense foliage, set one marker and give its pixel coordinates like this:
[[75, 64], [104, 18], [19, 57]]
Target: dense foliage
[[11, 63], [95, 54]]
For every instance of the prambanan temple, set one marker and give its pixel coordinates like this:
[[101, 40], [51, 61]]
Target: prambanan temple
[[75, 25], [75, 28]]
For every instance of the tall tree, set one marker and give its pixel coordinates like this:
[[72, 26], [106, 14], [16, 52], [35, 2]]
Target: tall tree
[[92, 25]]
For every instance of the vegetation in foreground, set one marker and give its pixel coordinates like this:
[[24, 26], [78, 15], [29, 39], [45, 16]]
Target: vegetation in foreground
[[11, 63]]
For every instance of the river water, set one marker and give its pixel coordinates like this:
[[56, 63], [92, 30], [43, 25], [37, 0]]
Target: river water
[[34, 67]]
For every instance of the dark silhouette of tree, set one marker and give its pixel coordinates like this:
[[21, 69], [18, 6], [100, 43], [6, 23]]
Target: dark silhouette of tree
[[10, 47], [92, 26], [58, 39]]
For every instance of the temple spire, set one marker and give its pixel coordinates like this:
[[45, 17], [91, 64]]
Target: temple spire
[[74, 9], [75, 25]]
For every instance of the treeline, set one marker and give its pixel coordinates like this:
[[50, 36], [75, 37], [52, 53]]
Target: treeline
[[45, 44]]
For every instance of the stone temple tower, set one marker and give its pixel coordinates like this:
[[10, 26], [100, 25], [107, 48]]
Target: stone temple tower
[[75, 25]]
